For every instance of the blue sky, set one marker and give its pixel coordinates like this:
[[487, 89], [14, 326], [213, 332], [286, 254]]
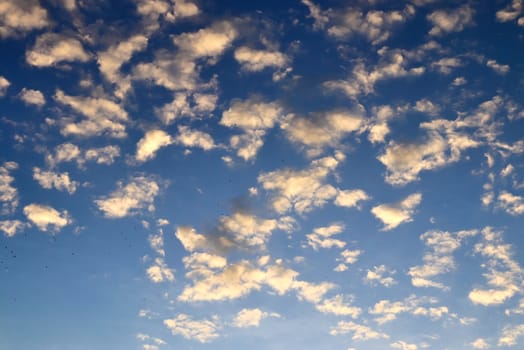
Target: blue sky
[[263, 174]]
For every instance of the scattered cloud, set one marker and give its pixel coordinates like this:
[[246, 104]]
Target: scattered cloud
[[194, 138], [203, 331], [360, 332], [11, 227], [379, 276], [510, 335], [152, 141], [60, 181], [321, 237], [160, 272], [4, 85], [9, 197], [449, 21], [395, 214], [32, 97], [251, 317], [51, 49], [21, 17], [47, 218]]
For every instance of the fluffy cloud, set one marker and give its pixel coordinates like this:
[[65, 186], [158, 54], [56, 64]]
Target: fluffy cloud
[[321, 237], [511, 12], [32, 97], [8, 194], [45, 217], [301, 190], [139, 193], [511, 203], [19, 17], [49, 179], [339, 305], [347, 257], [479, 343], [186, 104], [394, 214], [251, 317], [208, 42], [194, 138], [254, 117], [203, 331], [160, 272], [253, 60], [350, 198], [51, 48], [379, 275], [510, 335], [11, 227], [439, 257], [4, 85], [497, 67], [387, 311], [360, 332], [67, 152], [102, 116], [152, 141], [450, 21]]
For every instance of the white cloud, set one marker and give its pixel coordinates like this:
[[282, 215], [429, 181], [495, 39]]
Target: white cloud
[[8, 194], [67, 152], [203, 331], [320, 17], [339, 305], [156, 242], [387, 311], [447, 64], [497, 67], [103, 116], [18, 17], [347, 257], [479, 343], [253, 60], [46, 217], [32, 97], [450, 21], [360, 332], [321, 237], [511, 203], [301, 190], [208, 42], [254, 117], [139, 193], [4, 85], [511, 12], [185, 104], [439, 258], [510, 335], [378, 275], [394, 214], [52, 48], [402, 345], [49, 179], [152, 141], [160, 272], [251, 317], [11, 227], [194, 138], [350, 198]]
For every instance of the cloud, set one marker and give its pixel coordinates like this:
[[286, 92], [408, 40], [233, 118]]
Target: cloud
[[253, 60], [152, 141], [322, 129], [139, 193], [347, 257], [511, 203], [360, 332], [32, 97], [11, 227], [479, 343], [251, 317], [9, 197], [186, 104], [18, 17], [511, 12], [378, 275], [67, 152], [321, 237], [4, 85], [403, 345], [203, 331], [450, 21], [504, 275], [320, 17], [46, 217], [350, 198], [208, 42], [301, 190], [498, 68], [51, 49], [394, 214], [60, 181], [510, 334], [438, 259], [339, 305], [194, 138], [102, 116], [387, 311], [254, 116], [160, 272], [446, 65]]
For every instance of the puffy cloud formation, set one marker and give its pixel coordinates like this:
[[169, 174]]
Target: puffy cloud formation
[[139, 193], [46, 218], [201, 330], [321, 237], [359, 331], [379, 276], [253, 60], [186, 104], [387, 311], [402, 345], [18, 17], [152, 141], [68, 152], [339, 305], [510, 335], [511, 203], [392, 215], [32, 97], [9, 197], [251, 317], [52, 48], [455, 20], [194, 138], [11, 227], [60, 181], [4, 85], [160, 272]]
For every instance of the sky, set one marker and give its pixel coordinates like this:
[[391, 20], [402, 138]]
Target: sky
[[293, 174]]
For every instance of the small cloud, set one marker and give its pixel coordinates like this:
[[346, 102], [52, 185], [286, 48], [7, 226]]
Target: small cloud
[[152, 141], [203, 331], [392, 215], [450, 21], [32, 97], [52, 48], [46, 217], [251, 317]]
